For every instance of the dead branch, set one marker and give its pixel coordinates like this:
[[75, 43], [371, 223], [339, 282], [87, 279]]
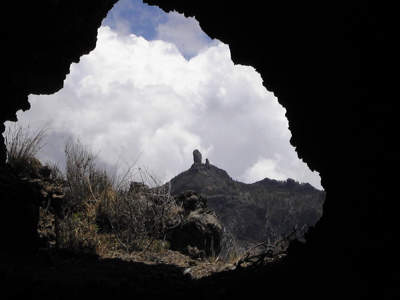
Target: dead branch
[[271, 251]]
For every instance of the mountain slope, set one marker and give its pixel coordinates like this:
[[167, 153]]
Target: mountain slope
[[255, 212]]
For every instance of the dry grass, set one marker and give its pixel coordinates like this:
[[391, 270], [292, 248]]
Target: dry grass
[[100, 212], [106, 213], [23, 145], [103, 213]]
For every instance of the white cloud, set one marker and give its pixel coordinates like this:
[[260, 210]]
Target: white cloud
[[133, 16], [264, 167], [131, 97], [185, 33]]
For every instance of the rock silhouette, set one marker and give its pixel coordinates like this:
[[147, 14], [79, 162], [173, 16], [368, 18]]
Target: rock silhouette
[[252, 213], [339, 89], [200, 230], [334, 70], [197, 157]]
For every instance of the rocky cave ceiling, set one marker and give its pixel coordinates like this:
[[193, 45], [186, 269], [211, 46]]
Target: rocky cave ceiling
[[333, 67]]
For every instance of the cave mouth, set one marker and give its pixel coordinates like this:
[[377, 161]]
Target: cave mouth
[[159, 96], [168, 87], [357, 43]]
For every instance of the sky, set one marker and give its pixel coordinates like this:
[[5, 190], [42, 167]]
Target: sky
[[157, 87]]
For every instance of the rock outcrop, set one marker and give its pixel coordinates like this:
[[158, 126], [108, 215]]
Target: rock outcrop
[[252, 213], [197, 157], [43, 39], [19, 214], [199, 234], [20, 219]]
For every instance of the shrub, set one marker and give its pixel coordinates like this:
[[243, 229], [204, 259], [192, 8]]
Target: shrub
[[138, 215], [23, 145], [104, 212], [100, 211]]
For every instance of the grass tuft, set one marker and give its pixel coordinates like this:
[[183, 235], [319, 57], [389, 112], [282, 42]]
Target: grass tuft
[[23, 145]]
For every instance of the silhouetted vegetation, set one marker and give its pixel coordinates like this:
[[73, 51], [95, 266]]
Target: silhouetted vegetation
[[107, 213], [88, 208], [23, 144]]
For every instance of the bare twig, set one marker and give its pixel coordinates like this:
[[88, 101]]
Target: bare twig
[[272, 251]]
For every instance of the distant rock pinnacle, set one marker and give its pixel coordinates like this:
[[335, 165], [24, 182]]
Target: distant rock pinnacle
[[197, 157]]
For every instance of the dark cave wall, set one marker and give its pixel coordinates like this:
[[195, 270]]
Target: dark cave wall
[[40, 41], [332, 67], [329, 65]]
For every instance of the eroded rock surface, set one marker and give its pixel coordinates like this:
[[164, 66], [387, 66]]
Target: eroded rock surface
[[200, 232]]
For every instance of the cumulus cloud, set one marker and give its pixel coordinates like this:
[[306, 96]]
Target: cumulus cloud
[[185, 33], [133, 98], [264, 167], [133, 16]]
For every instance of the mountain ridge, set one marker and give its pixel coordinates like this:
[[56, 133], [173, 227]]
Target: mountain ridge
[[252, 212]]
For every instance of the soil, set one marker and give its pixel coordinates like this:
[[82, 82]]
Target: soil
[[64, 274]]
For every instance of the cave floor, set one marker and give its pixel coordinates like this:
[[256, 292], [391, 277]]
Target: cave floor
[[66, 275], [63, 274]]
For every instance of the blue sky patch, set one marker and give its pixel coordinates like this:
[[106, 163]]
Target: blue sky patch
[[133, 16]]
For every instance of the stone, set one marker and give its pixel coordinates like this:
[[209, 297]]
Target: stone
[[197, 157], [19, 214], [199, 229]]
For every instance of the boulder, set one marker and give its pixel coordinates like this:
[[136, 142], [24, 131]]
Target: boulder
[[20, 214], [199, 229], [24, 190]]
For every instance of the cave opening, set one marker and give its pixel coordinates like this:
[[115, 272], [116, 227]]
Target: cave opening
[[333, 71], [156, 87]]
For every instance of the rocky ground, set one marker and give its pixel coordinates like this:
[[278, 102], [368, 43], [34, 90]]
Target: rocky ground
[[63, 274], [66, 275]]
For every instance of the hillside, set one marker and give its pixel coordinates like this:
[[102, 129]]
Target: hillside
[[255, 212]]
